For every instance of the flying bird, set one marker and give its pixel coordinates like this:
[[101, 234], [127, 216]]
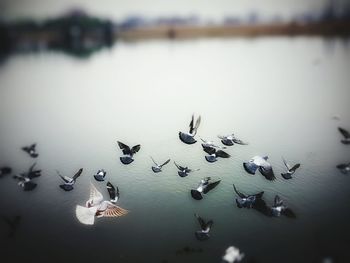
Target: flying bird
[[158, 167], [5, 170], [13, 224], [232, 254], [31, 150], [100, 175], [214, 154], [345, 134], [203, 234], [188, 137], [203, 188], [279, 209], [184, 171], [97, 207], [230, 140], [290, 169], [128, 152], [69, 181], [211, 144], [113, 193], [344, 167], [260, 163], [25, 179]]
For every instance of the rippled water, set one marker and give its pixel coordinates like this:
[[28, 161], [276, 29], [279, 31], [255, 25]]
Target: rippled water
[[278, 94]]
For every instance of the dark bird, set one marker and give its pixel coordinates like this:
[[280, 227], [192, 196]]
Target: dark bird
[[184, 171], [158, 167], [203, 234], [345, 134], [214, 154], [69, 181], [230, 140], [31, 150], [290, 169], [344, 167], [128, 152], [279, 209], [25, 179], [260, 163], [204, 187], [100, 175], [113, 193], [188, 138], [5, 171], [13, 223]]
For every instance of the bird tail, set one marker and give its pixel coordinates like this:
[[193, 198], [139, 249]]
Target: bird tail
[[85, 215]]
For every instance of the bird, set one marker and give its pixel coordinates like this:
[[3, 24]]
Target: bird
[[246, 201], [184, 171], [232, 254], [188, 137], [204, 187], [158, 168], [113, 193], [97, 207], [230, 140], [25, 179], [5, 170], [346, 135], [260, 163], [128, 152], [203, 234], [344, 167], [100, 175], [211, 144], [279, 209], [13, 223], [31, 150], [290, 170], [69, 181], [214, 154]]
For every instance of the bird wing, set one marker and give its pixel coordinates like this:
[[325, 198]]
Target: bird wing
[[191, 124], [154, 161], [295, 167], [31, 168], [288, 213], [241, 195], [208, 149], [135, 148], [344, 132], [114, 211], [198, 122], [124, 147], [32, 147], [95, 196], [222, 154], [179, 167], [201, 222], [266, 170], [278, 201], [211, 186], [111, 191], [235, 140], [77, 174], [286, 164], [342, 166], [166, 162], [261, 206]]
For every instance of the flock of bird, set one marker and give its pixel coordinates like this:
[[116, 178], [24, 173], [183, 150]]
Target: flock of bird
[[97, 206]]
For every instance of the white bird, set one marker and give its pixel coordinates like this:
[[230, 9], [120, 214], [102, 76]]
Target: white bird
[[290, 169], [158, 167], [230, 140], [188, 137], [97, 207], [232, 255]]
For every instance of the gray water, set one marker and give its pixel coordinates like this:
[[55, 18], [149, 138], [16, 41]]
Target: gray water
[[278, 94]]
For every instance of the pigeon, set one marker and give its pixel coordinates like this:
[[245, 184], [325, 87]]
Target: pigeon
[[230, 140], [346, 135], [204, 187], [158, 168], [290, 170], [68, 181], [188, 138], [260, 163], [113, 193], [344, 168], [128, 152], [97, 207], [211, 144], [100, 175], [203, 234], [13, 223], [184, 171], [232, 255], [25, 179], [214, 154], [279, 209], [31, 150], [5, 171]]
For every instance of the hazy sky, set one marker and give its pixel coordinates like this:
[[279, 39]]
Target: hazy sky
[[118, 9]]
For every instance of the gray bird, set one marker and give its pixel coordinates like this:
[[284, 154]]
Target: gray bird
[[344, 168], [100, 175], [31, 150], [69, 181], [230, 140], [279, 209], [260, 163], [204, 187], [345, 134], [5, 170], [184, 171], [25, 179], [158, 167], [211, 144], [113, 193], [214, 154], [290, 169], [203, 234], [128, 152], [188, 137]]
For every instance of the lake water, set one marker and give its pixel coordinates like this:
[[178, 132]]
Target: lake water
[[279, 94]]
